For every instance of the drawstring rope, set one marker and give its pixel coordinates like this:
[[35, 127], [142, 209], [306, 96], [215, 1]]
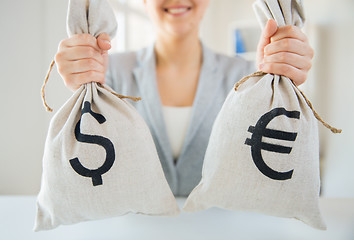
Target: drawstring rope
[[135, 99], [46, 80], [261, 74], [43, 87]]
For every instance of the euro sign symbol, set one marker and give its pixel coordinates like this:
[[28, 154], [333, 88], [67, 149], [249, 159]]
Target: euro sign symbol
[[259, 130], [95, 174]]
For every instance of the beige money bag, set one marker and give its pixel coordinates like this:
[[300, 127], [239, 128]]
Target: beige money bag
[[99, 160], [263, 152]]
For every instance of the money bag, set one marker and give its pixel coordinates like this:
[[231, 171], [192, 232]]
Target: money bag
[[263, 152], [99, 159]]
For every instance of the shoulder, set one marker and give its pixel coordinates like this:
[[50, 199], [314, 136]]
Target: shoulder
[[234, 65], [124, 61], [121, 67], [230, 68]]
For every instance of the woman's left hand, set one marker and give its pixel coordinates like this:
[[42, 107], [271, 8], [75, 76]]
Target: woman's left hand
[[284, 51]]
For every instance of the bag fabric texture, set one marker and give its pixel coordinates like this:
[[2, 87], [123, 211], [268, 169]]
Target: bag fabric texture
[[99, 160], [263, 152]]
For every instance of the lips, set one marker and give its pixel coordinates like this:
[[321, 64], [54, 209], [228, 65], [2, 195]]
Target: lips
[[177, 10]]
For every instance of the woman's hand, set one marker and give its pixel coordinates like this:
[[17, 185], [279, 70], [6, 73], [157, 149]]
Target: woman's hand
[[284, 51], [82, 58]]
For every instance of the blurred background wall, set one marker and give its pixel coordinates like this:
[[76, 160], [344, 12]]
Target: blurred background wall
[[33, 29]]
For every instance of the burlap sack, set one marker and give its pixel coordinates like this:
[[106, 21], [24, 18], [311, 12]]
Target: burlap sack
[[100, 159], [263, 152]]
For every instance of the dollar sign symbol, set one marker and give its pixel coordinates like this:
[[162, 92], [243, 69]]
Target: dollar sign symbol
[[95, 174]]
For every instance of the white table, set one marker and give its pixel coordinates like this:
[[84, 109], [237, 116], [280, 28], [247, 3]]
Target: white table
[[17, 215]]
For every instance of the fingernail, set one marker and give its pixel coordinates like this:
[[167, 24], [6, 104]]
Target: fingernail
[[108, 42]]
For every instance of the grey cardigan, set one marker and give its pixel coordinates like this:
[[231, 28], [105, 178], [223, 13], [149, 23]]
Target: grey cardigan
[[134, 74]]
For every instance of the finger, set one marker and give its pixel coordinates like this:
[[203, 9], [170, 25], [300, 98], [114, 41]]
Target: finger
[[268, 31], [104, 41], [82, 65], [89, 76], [297, 75], [288, 45], [81, 52], [78, 79], [79, 40], [105, 59], [291, 59], [289, 32]]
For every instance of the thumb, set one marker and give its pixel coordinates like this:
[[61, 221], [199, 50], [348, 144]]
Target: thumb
[[269, 30], [104, 41]]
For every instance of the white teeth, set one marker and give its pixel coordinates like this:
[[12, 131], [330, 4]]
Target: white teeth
[[177, 10]]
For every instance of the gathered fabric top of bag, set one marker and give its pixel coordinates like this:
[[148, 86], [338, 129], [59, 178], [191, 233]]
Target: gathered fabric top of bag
[[284, 12], [92, 17], [289, 12]]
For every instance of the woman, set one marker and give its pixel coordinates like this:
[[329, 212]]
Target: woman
[[182, 83]]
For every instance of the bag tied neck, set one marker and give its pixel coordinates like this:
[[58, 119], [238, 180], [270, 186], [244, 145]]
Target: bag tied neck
[[308, 102]]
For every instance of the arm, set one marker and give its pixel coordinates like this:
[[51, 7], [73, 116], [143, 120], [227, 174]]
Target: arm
[[284, 51], [82, 59]]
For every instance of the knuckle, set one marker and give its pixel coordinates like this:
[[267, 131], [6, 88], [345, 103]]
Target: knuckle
[[58, 56], [302, 78], [81, 36], [68, 82], [89, 39], [310, 65], [60, 69], [62, 43], [298, 77], [312, 52], [291, 30], [85, 37]]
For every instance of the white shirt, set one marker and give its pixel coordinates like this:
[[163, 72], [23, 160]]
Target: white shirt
[[177, 121]]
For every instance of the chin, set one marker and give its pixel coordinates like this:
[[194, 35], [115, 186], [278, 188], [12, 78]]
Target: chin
[[181, 31]]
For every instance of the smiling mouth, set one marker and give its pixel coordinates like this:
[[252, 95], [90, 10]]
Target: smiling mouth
[[179, 10]]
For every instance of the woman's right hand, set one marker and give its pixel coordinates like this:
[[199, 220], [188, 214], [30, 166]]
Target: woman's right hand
[[82, 59]]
